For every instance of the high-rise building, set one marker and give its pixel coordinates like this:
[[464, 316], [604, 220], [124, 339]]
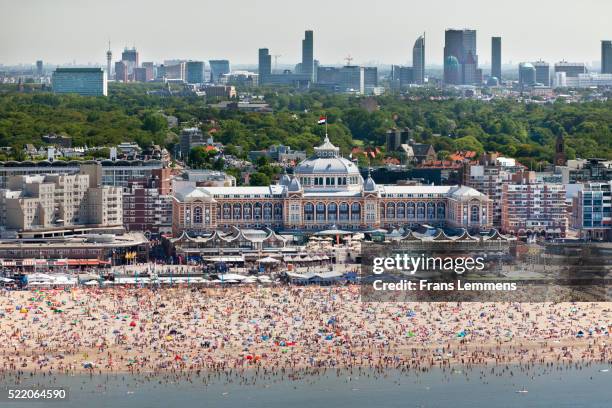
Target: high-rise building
[[592, 211], [82, 81], [606, 57], [460, 57], [140, 74], [402, 76], [218, 68], [352, 79], [130, 57], [542, 70], [307, 55], [527, 74], [149, 69], [121, 72], [571, 69], [370, 79], [189, 138], [418, 60], [195, 72], [496, 57], [265, 65], [530, 207], [39, 68]]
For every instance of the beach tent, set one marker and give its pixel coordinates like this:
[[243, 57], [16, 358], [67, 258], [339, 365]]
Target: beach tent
[[268, 260]]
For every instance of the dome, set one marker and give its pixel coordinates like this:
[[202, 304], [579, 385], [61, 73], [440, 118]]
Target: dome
[[527, 65], [452, 60], [326, 165], [493, 81], [295, 185], [326, 161], [369, 184], [285, 180]]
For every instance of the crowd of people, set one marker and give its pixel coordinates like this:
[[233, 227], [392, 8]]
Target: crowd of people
[[188, 329]]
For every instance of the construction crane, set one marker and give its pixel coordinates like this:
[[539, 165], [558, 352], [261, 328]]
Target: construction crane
[[348, 60], [276, 57]]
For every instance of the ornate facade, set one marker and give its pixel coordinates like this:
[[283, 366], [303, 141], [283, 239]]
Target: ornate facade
[[327, 191]]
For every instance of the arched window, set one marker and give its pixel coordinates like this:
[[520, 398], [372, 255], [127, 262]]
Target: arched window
[[308, 212], [410, 211], [218, 212], [401, 210], [390, 211], [227, 211], [383, 214], [431, 211], [267, 211], [475, 214], [344, 211], [247, 214], [197, 215], [420, 211], [320, 212], [278, 211], [332, 212], [441, 209], [257, 211], [237, 212], [355, 212]]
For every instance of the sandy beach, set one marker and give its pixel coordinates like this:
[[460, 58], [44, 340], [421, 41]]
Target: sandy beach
[[184, 329]]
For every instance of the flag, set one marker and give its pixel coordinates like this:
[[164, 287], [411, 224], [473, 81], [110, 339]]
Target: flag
[[322, 120]]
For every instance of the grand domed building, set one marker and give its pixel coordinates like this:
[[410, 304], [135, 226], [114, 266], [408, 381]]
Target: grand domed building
[[325, 191]]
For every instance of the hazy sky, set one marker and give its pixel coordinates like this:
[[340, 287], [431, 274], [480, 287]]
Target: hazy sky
[[372, 31]]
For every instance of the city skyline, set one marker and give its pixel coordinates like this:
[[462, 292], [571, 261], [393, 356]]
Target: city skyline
[[385, 38]]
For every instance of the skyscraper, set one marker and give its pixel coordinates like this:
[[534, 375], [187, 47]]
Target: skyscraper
[[195, 72], [39, 68], [496, 57], [418, 60], [265, 65], [218, 68], [460, 57], [130, 58], [542, 69], [307, 55], [527, 74], [82, 81], [121, 72], [606, 57]]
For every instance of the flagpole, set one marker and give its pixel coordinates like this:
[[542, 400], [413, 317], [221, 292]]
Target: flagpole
[[326, 125]]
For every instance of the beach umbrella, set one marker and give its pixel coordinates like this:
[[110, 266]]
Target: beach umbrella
[[132, 324]]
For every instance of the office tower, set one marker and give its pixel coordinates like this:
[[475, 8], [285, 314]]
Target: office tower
[[370, 79], [218, 68], [121, 72], [418, 60], [496, 57], [82, 81], [352, 79], [140, 74], [527, 74], [542, 69], [130, 58], [150, 70], [109, 59], [307, 55], [571, 69], [402, 76], [195, 72], [606, 57], [39, 68], [265, 65], [460, 57]]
